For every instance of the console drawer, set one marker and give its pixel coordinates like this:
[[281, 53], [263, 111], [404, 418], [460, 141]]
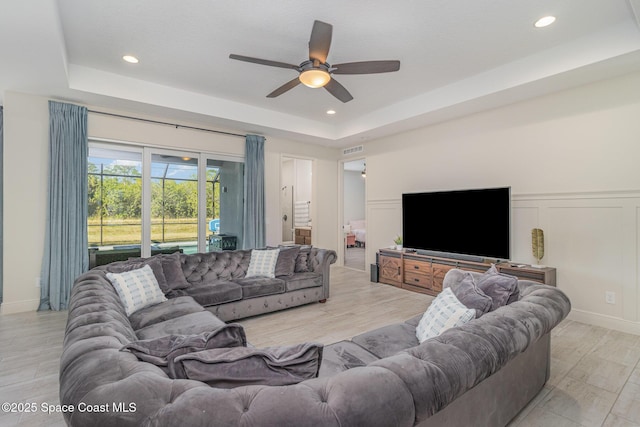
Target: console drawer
[[418, 279], [417, 267]]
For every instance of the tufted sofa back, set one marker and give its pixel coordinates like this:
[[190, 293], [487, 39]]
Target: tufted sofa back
[[215, 266]]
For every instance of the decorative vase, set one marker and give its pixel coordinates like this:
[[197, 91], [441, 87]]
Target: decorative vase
[[537, 246], [398, 247]]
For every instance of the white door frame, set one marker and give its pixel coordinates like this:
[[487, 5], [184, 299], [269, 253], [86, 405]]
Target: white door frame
[[313, 210], [341, 252]]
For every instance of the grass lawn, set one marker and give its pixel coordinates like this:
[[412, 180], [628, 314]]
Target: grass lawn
[[129, 231]]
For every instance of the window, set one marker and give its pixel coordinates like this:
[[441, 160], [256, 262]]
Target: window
[[115, 198], [193, 203]]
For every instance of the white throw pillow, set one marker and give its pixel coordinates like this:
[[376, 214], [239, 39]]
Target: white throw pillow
[[445, 312], [137, 289], [263, 263]]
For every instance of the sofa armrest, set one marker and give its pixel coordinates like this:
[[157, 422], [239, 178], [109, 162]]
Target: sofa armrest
[[320, 261]]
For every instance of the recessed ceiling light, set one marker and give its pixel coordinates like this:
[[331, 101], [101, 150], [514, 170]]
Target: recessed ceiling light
[[331, 112], [544, 21], [130, 58]]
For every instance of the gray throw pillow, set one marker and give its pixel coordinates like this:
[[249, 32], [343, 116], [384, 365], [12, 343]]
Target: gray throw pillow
[[240, 366], [471, 296], [302, 260], [162, 351], [286, 264], [172, 267], [137, 263], [502, 288]]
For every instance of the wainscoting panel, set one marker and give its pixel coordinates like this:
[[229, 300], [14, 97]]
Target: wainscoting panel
[[592, 240], [523, 220], [588, 243]]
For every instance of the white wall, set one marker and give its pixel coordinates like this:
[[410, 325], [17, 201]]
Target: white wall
[[354, 198], [26, 135], [572, 161], [304, 178]]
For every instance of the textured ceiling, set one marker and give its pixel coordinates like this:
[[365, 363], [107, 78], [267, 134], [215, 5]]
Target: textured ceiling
[[456, 58]]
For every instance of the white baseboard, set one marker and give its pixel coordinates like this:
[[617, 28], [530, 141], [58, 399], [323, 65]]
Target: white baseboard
[[608, 322], [19, 306]]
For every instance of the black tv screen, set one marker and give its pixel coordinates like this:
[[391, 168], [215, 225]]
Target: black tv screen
[[467, 222]]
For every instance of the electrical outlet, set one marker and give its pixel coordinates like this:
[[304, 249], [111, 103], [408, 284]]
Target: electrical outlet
[[37, 282], [610, 297]]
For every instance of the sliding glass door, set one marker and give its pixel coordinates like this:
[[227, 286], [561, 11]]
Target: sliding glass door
[[174, 202], [144, 201], [224, 203]]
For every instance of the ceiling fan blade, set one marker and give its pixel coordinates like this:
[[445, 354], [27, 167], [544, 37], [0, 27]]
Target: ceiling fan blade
[[320, 41], [285, 87], [263, 61], [337, 90], [366, 67]]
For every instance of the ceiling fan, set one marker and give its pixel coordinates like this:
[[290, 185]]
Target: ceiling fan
[[316, 71]]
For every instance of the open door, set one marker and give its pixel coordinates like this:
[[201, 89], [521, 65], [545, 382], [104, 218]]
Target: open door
[[295, 200], [286, 203], [355, 226]]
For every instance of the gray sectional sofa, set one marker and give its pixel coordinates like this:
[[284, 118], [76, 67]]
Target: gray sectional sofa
[[481, 373], [216, 280]]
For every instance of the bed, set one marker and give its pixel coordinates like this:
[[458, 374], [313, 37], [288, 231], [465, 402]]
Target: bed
[[359, 229]]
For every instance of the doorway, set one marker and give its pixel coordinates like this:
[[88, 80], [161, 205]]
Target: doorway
[[355, 225], [295, 200]]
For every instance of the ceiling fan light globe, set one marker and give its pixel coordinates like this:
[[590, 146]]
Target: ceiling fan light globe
[[314, 78]]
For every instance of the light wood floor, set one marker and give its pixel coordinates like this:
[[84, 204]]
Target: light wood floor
[[595, 376], [354, 258]]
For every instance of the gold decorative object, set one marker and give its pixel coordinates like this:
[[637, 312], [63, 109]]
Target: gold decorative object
[[537, 244]]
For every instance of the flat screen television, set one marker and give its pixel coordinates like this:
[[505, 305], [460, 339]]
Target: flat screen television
[[472, 223]]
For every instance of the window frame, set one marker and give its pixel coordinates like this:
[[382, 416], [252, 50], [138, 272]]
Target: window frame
[[147, 152]]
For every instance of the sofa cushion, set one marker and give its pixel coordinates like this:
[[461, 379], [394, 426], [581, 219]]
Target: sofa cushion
[[502, 288], [263, 263], [343, 355], [445, 312], [189, 324], [260, 286], [162, 351], [388, 340], [215, 293], [303, 281], [286, 264], [169, 309], [137, 288], [240, 366], [470, 295]]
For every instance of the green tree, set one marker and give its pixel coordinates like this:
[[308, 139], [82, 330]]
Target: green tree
[[94, 191]]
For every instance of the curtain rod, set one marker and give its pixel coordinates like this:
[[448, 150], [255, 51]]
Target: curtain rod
[[167, 123]]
